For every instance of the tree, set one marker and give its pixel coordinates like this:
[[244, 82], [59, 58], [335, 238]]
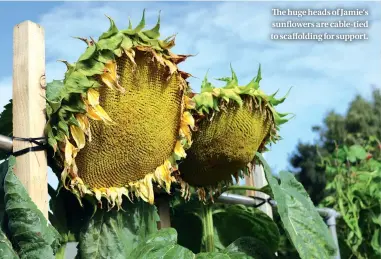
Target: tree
[[361, 121]]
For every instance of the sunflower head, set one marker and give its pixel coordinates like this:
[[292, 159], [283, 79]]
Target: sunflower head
[[119, 121], [233, 123]]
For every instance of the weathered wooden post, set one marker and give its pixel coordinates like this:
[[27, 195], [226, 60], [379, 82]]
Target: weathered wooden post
[[258, 180], [28, 109]]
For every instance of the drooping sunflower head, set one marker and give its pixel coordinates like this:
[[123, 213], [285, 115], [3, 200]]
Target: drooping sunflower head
[[233, 123], [120, 119]]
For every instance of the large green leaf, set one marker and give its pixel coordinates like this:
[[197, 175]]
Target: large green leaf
[[249, 246], [114, 234], [31, 234], [6, 249], [162, 244], [248, 222], [3, 173], [302, 222]]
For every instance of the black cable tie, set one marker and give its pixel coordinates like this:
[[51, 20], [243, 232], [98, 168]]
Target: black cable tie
[[263, 201], [41, 145]]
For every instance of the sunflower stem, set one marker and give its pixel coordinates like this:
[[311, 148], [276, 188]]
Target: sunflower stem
[[61, 252], [208, 228]]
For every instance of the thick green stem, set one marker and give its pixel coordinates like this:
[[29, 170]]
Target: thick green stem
[[208, 228], [61, 252]]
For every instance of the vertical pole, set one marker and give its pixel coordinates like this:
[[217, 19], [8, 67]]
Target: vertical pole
[[164, 212], [249, 181], [259, 182], [28, 109]]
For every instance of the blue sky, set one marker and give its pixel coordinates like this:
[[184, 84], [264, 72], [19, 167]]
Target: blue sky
[[324, 75]]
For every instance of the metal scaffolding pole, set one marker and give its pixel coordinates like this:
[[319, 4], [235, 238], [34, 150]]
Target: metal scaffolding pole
[[6, 143]]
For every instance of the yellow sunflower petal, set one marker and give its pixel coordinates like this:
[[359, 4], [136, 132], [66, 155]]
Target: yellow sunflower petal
[[188, 119], [110, 76], [78, 136], [83, 121], [93, 97], [69, 150], [102, 114], [163, 175], [189, 103], [131, 55], [179, 150], [113, 194], [186, 132], [97, 194], [84, 124], [145, 189], [92, 114]]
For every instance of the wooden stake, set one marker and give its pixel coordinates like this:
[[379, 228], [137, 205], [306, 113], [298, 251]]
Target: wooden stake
[[259, 182], [249, 181], [28, 108], [164, 212]]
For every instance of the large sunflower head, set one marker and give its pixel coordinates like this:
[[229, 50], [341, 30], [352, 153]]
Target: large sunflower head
[[120, 119], [233, 123]]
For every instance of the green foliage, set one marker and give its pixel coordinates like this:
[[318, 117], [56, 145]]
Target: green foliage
[[311, 175], [252, 223], [354, 176], [163, 244], [113, 234], [303, 224], [25, 231], [188, 219], [361, 121], [6, 249]]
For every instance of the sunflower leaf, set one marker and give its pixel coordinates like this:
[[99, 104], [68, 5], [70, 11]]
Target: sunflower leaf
[[27, 225], [306, 228], [115, 234]]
